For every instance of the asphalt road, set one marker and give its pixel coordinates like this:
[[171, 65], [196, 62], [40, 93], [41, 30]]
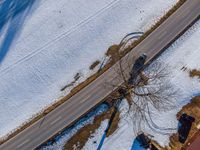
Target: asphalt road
[[95, 92]]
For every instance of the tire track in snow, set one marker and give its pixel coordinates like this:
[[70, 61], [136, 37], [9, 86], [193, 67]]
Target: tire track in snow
[[63, 35]]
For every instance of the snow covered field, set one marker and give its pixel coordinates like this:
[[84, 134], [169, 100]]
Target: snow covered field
[[184, 52], [44, 43]]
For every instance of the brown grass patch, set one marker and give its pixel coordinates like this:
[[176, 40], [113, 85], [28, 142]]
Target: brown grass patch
[[94, 64], [82, 136], [94, 76], [195, 73], [112, 51]]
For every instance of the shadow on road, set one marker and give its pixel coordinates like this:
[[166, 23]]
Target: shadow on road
[[13, 14]]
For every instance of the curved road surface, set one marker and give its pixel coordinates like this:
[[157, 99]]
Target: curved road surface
[[95, 92]]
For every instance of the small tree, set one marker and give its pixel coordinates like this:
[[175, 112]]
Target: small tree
[[151, 91]]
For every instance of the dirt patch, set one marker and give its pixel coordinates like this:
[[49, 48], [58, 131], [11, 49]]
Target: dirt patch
[[94, 64], [195, 73], [93, 77], [82, 136]]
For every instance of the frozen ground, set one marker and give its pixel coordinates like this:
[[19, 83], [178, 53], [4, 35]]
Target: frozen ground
[[44, 43], [184, 52]]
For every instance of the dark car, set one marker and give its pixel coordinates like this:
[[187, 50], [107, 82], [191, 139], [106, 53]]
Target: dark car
[[143, 140], [185, 122], [137, 67]]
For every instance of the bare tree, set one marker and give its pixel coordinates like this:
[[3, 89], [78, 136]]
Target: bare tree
[[150, 91]]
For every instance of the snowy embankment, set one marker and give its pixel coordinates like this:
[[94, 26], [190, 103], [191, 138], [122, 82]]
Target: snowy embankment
[[43, 44]]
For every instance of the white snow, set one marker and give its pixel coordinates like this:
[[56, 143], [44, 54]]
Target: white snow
[[43, 46]]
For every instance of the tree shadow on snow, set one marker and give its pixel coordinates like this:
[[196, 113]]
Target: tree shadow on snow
[[13, 14]]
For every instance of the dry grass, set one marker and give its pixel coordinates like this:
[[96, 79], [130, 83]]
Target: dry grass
[[82, 136], [94, 64], [94, 76], [195, 73], [112, 51]]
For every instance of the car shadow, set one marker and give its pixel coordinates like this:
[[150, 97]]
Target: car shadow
[[13, 14]]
